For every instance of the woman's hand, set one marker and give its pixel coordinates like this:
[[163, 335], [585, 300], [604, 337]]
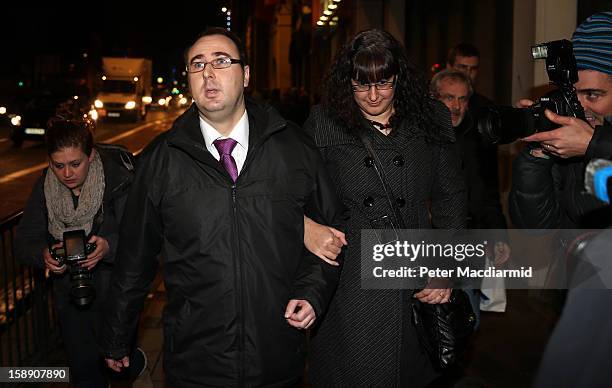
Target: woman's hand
[[433, 295], [50, 263], [98, 254], [323, 241]]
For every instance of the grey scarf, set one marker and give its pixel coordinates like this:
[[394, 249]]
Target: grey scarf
[[60, 207]]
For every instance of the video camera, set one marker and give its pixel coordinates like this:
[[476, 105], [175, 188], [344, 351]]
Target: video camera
[[504, 124], [72, 253]]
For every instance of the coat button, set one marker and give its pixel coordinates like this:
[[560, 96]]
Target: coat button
[[400, 202], [368, 202], [368, 161], [398, 161]]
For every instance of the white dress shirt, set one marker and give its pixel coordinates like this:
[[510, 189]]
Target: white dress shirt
[[240, 133]]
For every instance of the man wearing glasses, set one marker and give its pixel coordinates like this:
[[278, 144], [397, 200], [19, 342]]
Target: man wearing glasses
[[222, 196]]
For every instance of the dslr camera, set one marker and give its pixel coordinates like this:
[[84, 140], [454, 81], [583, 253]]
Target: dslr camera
[[74, 251], [504, 124]]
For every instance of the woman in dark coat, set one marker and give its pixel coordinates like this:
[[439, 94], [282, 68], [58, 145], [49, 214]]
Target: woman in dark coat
[[85, 187], [367, 339]]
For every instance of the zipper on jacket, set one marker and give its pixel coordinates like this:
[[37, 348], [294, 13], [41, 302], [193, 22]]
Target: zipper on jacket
[[240, 301]]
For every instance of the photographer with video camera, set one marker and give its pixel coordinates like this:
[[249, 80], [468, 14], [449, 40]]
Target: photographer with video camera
[[547, 190], [70, 227]]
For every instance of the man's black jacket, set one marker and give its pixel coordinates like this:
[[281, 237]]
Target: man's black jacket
[[550, 193], [232, 254]]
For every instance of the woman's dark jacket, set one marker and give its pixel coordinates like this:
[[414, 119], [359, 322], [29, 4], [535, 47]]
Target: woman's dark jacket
[[232, 254], [33, 236], [366, 338]]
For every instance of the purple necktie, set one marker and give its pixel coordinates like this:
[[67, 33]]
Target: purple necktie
[[225, 148]]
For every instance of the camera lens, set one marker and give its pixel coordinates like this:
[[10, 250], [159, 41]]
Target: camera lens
[[504, 124], [82, 293]]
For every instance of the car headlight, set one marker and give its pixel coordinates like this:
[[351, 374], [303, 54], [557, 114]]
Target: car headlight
[[2, 110], [161, 102], [93, 114], [98, 104], [183, 101], [147, 99], [130, 105], [16, 120]]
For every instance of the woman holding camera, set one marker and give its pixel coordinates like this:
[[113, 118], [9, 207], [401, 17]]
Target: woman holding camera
[[373, 91], [83, 189]]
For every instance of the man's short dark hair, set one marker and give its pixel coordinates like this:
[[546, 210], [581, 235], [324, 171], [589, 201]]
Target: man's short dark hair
[[220, 31], [462, 50], [68, 133]]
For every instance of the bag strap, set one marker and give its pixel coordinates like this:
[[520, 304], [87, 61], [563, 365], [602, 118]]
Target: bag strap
[[381, 176]]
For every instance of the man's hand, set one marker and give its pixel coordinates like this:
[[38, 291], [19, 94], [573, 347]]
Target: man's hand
[[501, 253], [433, 296], [300, 314], [98, 254], [571, 139], [50, 263], [117, 365], [323, 241]]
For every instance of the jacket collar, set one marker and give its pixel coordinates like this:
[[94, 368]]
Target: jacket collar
[[116, 178], [187, 136]]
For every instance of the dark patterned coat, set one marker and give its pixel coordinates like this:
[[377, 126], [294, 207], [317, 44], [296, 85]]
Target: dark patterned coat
[[366, 339]]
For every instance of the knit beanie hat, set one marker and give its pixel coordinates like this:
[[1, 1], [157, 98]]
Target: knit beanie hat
[[593, 43]]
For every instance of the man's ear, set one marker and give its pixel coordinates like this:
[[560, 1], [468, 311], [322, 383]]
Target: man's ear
[[247, 75]]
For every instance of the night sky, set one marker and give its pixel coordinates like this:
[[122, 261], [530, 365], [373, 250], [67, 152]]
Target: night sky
[[160, 33]]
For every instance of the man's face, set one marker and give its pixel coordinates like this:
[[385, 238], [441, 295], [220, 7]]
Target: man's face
[[467, 65], [218, 93], [455, 95], [71, 166], [594, 91]]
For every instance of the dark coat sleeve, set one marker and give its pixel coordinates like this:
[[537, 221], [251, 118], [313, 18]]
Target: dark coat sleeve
[[317, 280], [491, 216], [534, 201], [113, 215], [31, 234], [448, 192], [136, 261], [600, 145]]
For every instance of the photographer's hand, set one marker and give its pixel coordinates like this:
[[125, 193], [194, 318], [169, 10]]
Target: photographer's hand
[[98, 254], [571, 139], [117, 365], [523, 103], [50, 263]]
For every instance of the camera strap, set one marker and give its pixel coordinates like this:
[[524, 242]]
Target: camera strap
[[399, 220]]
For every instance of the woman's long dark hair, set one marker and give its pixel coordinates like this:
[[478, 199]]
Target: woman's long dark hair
[[371, 56]]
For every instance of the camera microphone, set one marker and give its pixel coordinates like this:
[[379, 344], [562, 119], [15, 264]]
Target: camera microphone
[[596, 179]]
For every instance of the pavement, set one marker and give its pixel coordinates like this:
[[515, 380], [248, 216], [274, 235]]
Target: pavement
[[505, 351]]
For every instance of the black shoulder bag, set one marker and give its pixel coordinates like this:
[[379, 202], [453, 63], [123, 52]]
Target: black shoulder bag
[[443, 329]]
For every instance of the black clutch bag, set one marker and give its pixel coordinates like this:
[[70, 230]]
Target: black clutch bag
[[444, 329]]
